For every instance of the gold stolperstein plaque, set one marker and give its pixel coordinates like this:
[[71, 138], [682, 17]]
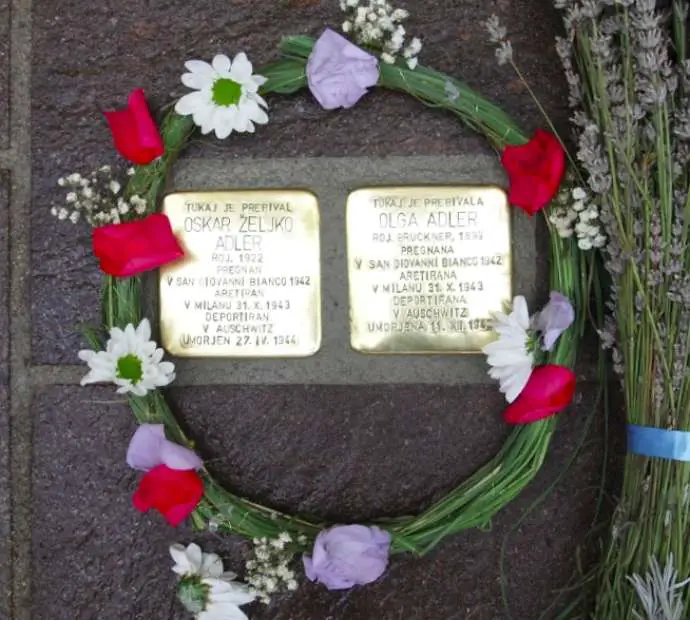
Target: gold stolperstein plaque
[[249, 284], [427, 266]]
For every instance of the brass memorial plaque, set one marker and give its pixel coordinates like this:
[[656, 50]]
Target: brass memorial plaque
[[249, 285], [426, 266]]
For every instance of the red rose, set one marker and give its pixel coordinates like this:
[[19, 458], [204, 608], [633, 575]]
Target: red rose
[[549, 390], [134, 247], [135, 135], [174, 493], [535, 171]]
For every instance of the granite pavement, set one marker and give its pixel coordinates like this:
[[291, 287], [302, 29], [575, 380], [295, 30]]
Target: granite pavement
[[71, 546]]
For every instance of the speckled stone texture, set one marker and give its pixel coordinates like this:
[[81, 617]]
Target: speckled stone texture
[[4, 402], [4, 72], [345, 453], [88, 56]]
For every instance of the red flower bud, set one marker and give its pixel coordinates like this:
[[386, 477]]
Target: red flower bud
[[174, 493], [549, 390], [134, 247], [135, 135], [535, 171]]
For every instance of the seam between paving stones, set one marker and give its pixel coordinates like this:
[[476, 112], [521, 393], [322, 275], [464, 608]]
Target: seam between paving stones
[[201, 374], [18, 159]]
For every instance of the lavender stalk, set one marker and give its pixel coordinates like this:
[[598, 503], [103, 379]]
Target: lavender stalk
[[629, 80]]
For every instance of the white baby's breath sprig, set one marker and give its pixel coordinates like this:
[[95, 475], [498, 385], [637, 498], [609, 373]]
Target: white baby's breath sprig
[[574, 212], [377, 24], [268, 571], [498, 34], [96, 198]]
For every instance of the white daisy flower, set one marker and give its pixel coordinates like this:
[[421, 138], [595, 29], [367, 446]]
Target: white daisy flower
[[511, 357], [226, 95], [131, 361], [204, 589]]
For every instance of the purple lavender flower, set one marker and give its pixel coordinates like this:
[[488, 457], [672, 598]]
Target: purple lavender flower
[[348, 555], [556, 316], [339, 72], [149, 448]]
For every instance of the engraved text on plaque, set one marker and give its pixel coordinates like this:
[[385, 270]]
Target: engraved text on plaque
[[427, 266], [249, 284]]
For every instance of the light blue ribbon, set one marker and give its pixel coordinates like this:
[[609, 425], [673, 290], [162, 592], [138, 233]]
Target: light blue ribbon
[[659, 442]]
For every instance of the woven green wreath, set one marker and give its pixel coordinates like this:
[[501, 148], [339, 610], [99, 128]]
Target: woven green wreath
[[472, 503]]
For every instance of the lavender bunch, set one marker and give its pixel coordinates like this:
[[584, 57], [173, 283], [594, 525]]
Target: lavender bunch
[[629, 86]]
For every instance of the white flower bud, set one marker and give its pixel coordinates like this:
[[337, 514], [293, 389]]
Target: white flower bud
[[579, 193], [412, 63], [347, 26], [388, 58]]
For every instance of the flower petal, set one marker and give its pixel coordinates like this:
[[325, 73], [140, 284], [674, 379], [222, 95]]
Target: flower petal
[[211, 565], [521, 311], [221, 64], [135, 247], [549, 390], [241, 68], [182, 563], [200, 67], [144, 451], [339, 72], [135, 134], [535, 171], [190, 103], [174, 493], [196, 81], [178, 457]]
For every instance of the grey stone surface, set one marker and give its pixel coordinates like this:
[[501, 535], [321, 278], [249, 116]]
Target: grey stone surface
[[331, 179], [340, 451], [4, 73], [88, 57], [5, 572], [345, 453]]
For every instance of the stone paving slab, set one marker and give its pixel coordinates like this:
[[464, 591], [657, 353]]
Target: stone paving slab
[[88, 57], [342, 452], [332, 179], [4, 73], [5, 573], [345, 453]]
